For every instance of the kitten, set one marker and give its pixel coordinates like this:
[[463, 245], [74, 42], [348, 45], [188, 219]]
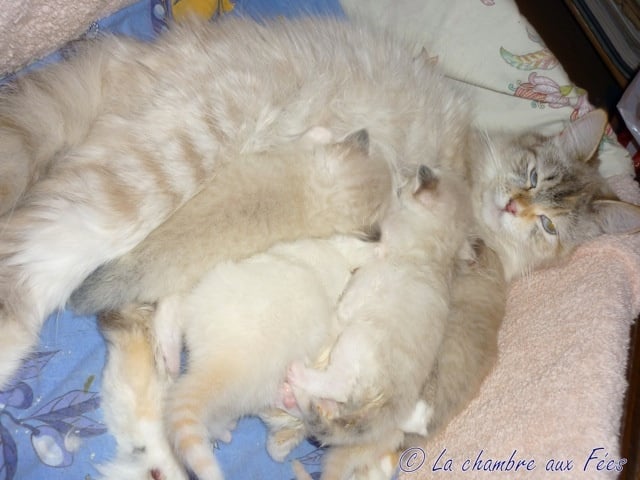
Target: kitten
[[100, 150], [465, 357], [392, 318], [133, 389], [311, 187], [469, 348], [233, 322]]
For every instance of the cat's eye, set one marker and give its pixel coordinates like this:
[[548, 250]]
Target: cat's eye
[[548, 225], [533, 178]]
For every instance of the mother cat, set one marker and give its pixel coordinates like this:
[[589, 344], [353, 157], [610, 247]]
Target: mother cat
[[99, 151]]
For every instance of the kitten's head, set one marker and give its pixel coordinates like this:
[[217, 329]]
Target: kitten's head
[[432, 209], [538, 197], [349, 184]]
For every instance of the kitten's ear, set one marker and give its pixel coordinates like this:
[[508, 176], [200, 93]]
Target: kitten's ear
[[425, 58], [358, 140], [426, 179], [617, 217], [581, 138], [316, 136], [425, 185]]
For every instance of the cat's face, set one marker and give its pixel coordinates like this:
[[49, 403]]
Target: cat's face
[[539, 197]]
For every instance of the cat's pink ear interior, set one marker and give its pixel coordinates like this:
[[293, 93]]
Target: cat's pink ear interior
[[617, 217], [582, 137]]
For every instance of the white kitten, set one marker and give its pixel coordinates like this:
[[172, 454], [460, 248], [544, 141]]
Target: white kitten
[[393, 315]]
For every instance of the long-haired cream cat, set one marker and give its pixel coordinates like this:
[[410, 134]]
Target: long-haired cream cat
[[98, 151]]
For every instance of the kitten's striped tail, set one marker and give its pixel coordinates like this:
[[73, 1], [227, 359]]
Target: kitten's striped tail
[[188, 433]]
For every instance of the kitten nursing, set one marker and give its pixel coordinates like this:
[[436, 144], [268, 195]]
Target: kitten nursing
[[392, 318], [104, 148]]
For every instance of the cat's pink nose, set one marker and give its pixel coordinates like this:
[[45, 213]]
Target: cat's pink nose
[[511, 207]]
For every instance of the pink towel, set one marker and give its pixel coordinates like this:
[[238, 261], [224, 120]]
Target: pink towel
[[31, 29]]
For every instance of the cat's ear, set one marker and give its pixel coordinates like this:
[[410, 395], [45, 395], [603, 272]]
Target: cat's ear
[[358, 140], [617, 217], [581, 138]]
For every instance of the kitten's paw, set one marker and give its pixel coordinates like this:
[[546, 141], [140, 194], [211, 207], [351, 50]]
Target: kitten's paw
[[222, 433], [281, 442], [156, 474], [296, 375], [418, 419], [286, 400]]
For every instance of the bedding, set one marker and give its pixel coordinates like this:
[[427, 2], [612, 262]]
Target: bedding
[[555, 398]]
